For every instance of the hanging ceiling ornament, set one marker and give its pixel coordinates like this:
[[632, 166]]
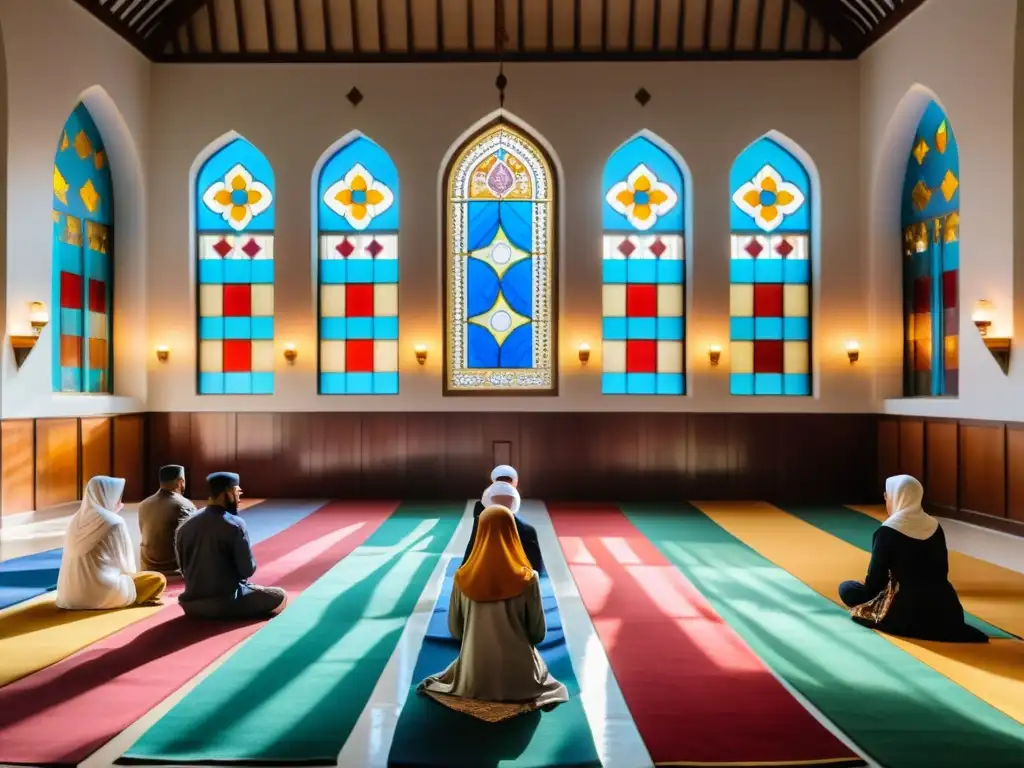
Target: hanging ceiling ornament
[[500, 38]]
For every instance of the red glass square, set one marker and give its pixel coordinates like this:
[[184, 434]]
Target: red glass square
[[237, 301], [97, 296], [641, 301], [641, 356], [359, 356], [767, 300], [922, 294], [768, 357], [237, 356], [358, 300], [70, 290], [949, 289]]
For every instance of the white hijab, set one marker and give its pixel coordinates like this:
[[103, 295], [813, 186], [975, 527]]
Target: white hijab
[[504, 470], [905, 497], [498, 490], [96, 516]]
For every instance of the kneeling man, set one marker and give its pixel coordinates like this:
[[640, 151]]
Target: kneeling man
[[159, 518], [217, 561]]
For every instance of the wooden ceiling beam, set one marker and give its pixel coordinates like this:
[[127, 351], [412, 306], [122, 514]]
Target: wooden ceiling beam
[[904, 9], [117, 24], [176, 16], [835, 23]]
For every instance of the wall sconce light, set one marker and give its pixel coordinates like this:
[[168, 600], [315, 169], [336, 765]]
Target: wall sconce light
[[714, 353], [22, 345], [853, 351], [38, 316], [584, 353], [982, 316], [162, 353], [290, 353], [420, 351]]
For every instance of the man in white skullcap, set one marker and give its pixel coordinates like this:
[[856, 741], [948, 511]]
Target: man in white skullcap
[[503, 492]]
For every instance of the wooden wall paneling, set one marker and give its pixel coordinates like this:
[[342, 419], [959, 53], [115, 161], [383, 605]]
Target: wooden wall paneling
[[300, 470], [941, 475], [983, 468], [425, 456], [129, 456], [912, 448], [383, 452], [56, 449], [258, 455], [707, 451], [213, 447], [664, 455], [343, 456], [169, 441], [1015, 472], [17, 466], [97, 448], [466, 459], [888, 449], [756, 465]]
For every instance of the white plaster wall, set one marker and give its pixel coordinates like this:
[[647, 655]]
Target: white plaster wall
[[707, 111], [58, 54], [962, 54]]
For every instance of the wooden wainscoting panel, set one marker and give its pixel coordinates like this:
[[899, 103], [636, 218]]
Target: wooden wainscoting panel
[[426, 455], [941, 475], [17, 461], [97, 448], [383, 452], [1015, 472], [130, 456], [888, 449], [56, 462], [912, 448], [258, 455], [213, 446], [983, 468], [664, 454], [173, 432]]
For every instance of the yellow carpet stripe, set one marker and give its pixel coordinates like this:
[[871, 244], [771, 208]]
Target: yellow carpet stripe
[[992, 593], [993, 672]]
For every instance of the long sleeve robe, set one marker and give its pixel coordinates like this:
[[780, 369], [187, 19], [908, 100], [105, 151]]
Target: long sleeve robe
[[98, 577], [159, 518]]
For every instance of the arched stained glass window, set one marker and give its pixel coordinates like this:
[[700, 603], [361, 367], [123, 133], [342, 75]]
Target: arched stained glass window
[[500, 265], [930, 208], [235, 230], [770, 275], [357, 215], [83, 258], [643, 269]]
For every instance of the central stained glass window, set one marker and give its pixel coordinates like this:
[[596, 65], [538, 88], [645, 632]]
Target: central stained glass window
[[500, 266]]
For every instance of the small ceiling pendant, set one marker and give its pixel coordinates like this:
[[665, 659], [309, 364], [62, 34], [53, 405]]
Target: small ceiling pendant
[[354, 96], [642, 97]]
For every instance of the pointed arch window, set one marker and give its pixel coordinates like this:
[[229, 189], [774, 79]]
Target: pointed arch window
[[83, 259], [643, 271], [930, 214], [357, 221], [770, 273], [234, 204], [500, 265]]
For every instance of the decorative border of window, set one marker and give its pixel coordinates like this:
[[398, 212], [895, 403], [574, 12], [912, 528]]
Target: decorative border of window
[[500, 210], [357, 210], [234, 230], [83, 259], [643, 270], [770, 272]]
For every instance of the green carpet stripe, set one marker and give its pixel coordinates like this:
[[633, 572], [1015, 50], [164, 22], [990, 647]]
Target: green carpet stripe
[[857, 529], [293, 693], [898, 710]]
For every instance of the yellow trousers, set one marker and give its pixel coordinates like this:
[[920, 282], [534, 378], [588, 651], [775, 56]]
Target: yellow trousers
[[149, 585]]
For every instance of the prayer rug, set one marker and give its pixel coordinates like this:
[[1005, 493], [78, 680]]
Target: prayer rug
[[35, 635], [993, 672], [896, 709], [144, 664], [429, 734], [23, 578], [697, 693], [292, 694]]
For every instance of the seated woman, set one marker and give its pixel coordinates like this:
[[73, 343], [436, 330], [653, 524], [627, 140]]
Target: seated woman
[[97, 567], [907, 590], [497, 614]]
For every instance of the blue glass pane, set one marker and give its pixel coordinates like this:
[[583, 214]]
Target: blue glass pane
[[214, 171], [82, 185], [751, 160], [641, 150], [378, 165], [932, 168]]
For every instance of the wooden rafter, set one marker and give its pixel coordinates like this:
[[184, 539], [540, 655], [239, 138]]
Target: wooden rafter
[[830, 17], [175, 17]]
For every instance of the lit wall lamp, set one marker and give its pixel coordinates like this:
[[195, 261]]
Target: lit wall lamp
[[290, 353], [22, 345], [853, 351], [714, 353], [998, 347], [420, 351], [38, 317], [162, 353], [584, 353]]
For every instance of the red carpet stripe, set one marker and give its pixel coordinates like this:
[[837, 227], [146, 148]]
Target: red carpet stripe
[[64, 713], [697, 693]]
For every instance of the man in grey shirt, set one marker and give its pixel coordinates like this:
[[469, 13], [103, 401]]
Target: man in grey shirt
[[159, 518], [217, 560]]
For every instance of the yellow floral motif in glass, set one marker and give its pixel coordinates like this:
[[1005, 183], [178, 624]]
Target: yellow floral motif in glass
[[920, 195], [82, 145], [920, 151], [949, 185], [951, 229], [89, 196], [941, 137], [60, 186]]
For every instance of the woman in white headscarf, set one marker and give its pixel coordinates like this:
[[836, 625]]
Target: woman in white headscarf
[[97, 567], [907, 590]]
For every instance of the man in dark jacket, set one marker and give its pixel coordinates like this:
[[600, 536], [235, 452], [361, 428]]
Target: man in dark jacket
[[508, 496]]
